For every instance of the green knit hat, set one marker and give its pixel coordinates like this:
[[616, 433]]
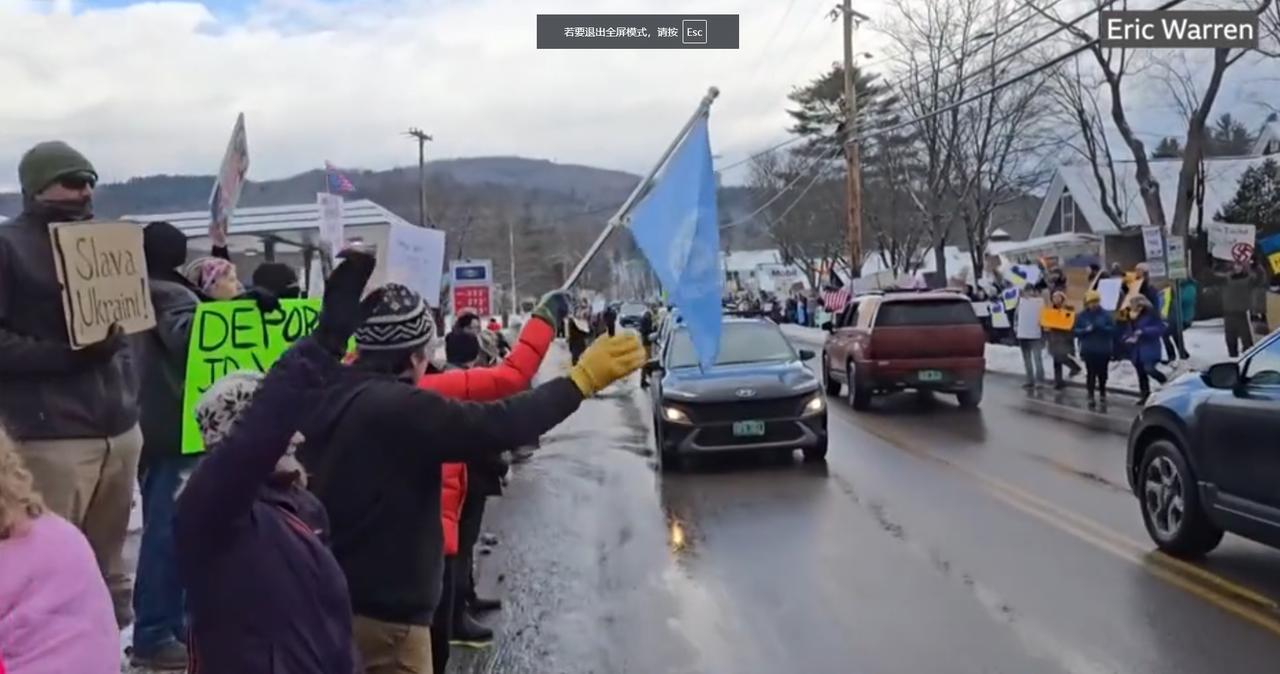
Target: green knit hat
[[49, 161]]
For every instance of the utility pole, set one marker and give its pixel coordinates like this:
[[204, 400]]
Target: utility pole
[[422, 138], [511, 246], [853, 159]]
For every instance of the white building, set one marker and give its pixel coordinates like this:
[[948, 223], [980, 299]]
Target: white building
[[288, 234], [757, 270]]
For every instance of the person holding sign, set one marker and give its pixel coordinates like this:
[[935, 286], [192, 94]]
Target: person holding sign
[[1094, 327], [264, 592], [72, 412], [1062, 346], [376, 460], [1030, 335]]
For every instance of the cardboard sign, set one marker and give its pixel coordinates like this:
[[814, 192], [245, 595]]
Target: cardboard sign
[[415, 258], [231, 337], [1077, 285], [103, 274], [1273, 311], [1231, 242], [1057, 319]]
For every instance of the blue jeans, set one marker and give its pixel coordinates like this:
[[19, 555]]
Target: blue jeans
[[157, 594]]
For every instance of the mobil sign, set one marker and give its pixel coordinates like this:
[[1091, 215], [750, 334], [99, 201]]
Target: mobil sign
[[472, 283]]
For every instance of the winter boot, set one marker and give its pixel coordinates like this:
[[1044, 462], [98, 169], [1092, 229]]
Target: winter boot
[[169, 657], [484, 604], [469, 633]]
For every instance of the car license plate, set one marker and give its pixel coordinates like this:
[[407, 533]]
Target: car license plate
[[748, 428], [930, 375]]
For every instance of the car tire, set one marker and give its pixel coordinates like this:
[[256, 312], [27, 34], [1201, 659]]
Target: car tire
[[816, 453], [1169, 497], [859, 397], [833, 387], [970, 398]]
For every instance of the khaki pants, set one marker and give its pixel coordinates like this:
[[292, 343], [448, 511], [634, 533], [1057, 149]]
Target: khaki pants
[[392, 648], [89, 482]]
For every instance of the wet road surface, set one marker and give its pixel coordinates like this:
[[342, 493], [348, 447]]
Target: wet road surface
[[934, 540]]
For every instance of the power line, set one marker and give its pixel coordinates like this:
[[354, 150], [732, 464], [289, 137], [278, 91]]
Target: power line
[[831, 154]]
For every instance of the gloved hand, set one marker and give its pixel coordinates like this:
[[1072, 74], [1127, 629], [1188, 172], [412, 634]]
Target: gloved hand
[[101, 352], [266, 300], [553, 308], [607, 360], [343, 311]]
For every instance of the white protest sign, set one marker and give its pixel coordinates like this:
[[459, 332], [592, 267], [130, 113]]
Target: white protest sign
[[1177, 258], [1029, 309], [999, 318], [331, 236], [1109, 292], [1231, 242], [415, 258], [226, 190], [103, 273], [598, 305]]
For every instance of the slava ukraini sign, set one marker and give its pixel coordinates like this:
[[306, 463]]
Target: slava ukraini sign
[[102, 275]]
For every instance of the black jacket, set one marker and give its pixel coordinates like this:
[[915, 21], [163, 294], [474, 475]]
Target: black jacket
[[45, 391], [375, 462], [162, 353]]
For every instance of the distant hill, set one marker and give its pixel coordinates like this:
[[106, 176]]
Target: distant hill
[[554, 210]]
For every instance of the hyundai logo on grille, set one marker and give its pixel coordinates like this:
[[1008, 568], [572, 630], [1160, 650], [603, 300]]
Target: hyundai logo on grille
[[745, 393]]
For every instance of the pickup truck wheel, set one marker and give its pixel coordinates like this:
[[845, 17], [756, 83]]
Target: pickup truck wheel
[[833, 386], [970, 398], [859, 397], [1170, 501]]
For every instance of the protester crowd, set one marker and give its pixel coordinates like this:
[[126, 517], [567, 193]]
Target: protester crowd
[[330, 524]]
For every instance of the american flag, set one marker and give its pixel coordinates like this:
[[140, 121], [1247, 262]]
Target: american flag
[[835, 299], [337, 182]]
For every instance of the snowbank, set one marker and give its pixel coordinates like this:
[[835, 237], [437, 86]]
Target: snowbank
[[1205, 344]]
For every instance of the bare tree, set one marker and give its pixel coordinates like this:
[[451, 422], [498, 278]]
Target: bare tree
[[1198, 104], [1077, 101], [803, 210], [936, 46]]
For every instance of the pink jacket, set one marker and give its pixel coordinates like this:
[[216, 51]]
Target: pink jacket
[[55, 611]]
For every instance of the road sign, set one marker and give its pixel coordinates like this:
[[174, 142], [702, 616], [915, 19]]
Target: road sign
[[472, 283]]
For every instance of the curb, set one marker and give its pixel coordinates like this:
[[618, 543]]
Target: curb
[[1132, 393]]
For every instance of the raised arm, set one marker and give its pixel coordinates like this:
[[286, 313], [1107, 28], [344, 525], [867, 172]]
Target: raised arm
[[511, 376], [453, 430]]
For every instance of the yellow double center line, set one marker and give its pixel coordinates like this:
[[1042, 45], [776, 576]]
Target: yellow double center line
[[1226, 595]]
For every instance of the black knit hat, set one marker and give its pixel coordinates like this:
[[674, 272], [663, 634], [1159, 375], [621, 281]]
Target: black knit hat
[[277, 277], [49, 161], [164, 246], [399, 321], [461, 348]]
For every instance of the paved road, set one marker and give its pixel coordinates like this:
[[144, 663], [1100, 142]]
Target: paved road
[[935, 540]]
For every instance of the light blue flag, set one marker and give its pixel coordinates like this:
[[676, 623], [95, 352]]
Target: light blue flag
[[675, 226]]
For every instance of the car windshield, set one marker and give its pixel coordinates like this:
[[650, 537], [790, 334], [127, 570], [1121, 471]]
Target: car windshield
[[631, 310], [929, 312], [739, 343]]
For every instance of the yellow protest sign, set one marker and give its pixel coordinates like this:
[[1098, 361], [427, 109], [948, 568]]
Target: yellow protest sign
[[231, 337], [1057, 319], [103, 275]]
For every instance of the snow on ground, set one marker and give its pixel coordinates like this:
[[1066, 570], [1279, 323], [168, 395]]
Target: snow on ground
[[1205, 344]]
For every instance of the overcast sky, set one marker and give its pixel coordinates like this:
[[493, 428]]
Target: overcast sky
[[154, 87]]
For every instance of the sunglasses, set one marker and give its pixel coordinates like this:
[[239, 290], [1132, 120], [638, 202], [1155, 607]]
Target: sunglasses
[[76, 182]]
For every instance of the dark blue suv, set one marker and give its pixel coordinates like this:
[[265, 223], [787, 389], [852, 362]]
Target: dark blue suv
[[1204, 455]]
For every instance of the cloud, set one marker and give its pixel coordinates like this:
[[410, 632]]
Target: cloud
[[154, 87]]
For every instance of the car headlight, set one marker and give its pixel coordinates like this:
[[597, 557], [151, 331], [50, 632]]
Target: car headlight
[[816, 404], [674, 414]]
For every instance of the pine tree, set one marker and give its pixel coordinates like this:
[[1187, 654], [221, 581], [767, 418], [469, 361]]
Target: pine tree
[[1229, 137], [820, 115], [1257, 199], [1169, 148]]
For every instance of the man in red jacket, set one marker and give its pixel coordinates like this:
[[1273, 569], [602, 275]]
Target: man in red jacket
[[514, 374]]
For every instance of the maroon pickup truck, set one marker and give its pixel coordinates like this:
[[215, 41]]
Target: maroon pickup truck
[[911, 340]]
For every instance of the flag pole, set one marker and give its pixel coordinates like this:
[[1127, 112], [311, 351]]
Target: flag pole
[[619, 218]]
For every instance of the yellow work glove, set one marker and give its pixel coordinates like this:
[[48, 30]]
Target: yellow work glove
[[607, 360]]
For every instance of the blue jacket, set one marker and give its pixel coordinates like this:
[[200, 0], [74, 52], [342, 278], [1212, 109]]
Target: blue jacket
[[265, 594], [1147, 328], [1095, 329]]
